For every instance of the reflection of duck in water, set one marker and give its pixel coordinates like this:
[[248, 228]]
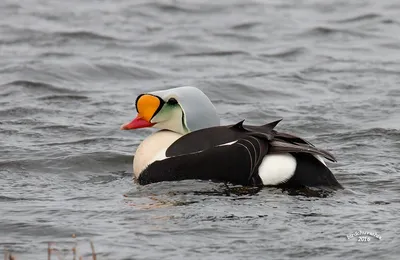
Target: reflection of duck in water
[[193, 145]]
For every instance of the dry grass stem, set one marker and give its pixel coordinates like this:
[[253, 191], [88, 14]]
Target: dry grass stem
[[93, 252], [57, 252]]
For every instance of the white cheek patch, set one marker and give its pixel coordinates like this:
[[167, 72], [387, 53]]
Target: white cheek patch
[[170, 119], [277, 168]]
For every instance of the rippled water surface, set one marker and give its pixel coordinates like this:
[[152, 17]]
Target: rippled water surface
[[70, 72]]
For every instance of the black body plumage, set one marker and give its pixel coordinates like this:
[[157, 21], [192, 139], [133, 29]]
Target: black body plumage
[[233, 154]]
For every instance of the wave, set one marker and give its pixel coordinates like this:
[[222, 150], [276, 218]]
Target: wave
[[365, 135], [63, 97], [326, 31], [184, 8], [55, 55], [245, 26], [36, 229], [18, 112], [357, 18], [292, 52], [127, 71], [85, 35], [213, 53], [35, 86], [84, 141], [230, 92], [90, 162], [237, 36], [164, 47], [12, 199]]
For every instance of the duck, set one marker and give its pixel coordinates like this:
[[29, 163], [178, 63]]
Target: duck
[[192, 144]]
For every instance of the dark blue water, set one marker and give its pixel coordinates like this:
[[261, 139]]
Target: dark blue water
[[69, 76]]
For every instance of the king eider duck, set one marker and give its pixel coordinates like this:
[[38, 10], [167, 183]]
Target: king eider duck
[[191, 144]]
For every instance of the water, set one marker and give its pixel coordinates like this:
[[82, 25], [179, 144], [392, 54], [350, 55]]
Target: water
[[69, 75]]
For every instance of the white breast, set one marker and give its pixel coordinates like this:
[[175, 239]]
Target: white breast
[[152, 148]]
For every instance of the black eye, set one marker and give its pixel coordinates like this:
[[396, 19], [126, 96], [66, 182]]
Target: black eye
[[172, 101]]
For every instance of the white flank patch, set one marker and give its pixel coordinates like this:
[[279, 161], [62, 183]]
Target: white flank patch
[[320, 158], [277, 168], [230, 143]]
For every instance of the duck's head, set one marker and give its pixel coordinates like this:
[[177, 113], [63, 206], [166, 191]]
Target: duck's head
[[182, 110]]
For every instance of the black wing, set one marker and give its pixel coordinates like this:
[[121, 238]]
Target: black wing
[[211, 137], [283, 147]]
